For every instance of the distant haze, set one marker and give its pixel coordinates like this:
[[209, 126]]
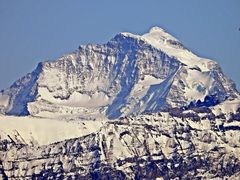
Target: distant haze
[[34, 31]]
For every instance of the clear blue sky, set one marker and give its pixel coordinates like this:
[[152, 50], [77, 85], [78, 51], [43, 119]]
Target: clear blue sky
[[33, 31]]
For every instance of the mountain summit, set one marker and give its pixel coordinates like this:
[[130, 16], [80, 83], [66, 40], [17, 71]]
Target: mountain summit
[[174, 115], [131, 74]]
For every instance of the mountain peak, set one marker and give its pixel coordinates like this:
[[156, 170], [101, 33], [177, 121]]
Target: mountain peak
[[158, 33], [156, 29]]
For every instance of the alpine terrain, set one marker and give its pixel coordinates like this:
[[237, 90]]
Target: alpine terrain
[[137, 107]]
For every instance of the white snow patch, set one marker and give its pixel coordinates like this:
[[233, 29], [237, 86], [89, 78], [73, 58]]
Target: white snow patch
[[45, 131], [77, 99], [198, 85], [227, 107], [141, 88], [149, 80], [165, 42], [160, 40]]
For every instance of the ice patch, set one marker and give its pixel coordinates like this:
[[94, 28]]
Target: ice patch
[[77, 99]]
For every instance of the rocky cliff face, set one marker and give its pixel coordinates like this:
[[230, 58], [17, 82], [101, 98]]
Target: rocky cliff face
[[131, 74], [185, 146]]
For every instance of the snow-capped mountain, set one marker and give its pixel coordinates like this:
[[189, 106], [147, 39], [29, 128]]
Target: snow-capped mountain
[[137, 107], [130, 74]]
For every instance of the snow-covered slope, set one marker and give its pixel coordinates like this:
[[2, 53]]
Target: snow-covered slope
[[131, 74], [150, 146], [41, 131]]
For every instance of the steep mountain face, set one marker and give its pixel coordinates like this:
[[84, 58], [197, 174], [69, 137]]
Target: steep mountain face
[[130, 74]]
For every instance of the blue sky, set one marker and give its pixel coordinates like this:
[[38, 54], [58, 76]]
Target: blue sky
[[33, 31]]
